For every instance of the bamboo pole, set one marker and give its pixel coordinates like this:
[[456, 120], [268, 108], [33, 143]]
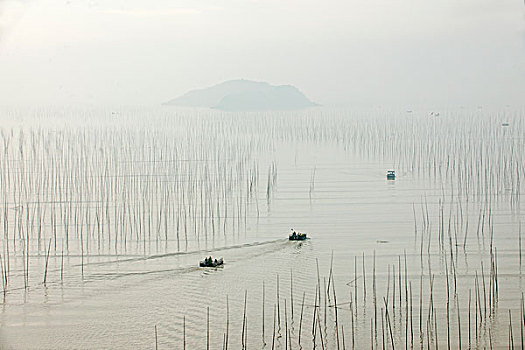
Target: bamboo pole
[[156, 341]]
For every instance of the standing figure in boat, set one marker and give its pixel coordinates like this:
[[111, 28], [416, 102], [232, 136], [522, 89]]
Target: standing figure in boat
[[210, 262], [297, 236]]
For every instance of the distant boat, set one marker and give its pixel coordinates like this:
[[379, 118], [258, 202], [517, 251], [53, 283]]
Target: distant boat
[[210, 262], [390, 175], [505, 124], [297, 236]]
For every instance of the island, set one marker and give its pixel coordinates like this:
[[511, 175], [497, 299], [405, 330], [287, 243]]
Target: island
[[244, 95]]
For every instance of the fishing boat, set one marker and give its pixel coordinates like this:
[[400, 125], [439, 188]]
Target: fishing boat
[[297, 236], [391, 175], [210, 262]]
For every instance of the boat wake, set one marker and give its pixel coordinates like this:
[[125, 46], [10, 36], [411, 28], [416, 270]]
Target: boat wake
[[186, 253]]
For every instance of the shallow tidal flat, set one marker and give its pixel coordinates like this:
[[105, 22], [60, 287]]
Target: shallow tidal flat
[[105, 215]]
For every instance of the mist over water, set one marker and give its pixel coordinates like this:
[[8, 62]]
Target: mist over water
[[338, 53], [124, 203]]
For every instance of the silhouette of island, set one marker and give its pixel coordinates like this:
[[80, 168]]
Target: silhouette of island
[[245, 95]]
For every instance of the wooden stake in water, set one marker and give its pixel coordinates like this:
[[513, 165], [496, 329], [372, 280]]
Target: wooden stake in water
[[355, 282], [301, 319], [156, 342], [208, 328], [47, 260], [343, 336], [411, 317], [469, 331], [285, 325], [227, 323], [364, 278], [330, 274], [520, 244], [459, 323], [522, 319], [244, 319], [389, 324], [62, 262], [264, 342], [436, 331], [278, 308], [406, 303], [383, 327], [291, 292], [325, 302], [314, 318], [273, 334], [319, 324], [336, 319]]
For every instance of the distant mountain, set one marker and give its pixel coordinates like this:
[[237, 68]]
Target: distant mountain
[[245, 95]]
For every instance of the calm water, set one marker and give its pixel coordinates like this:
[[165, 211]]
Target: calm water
[[128, 201]]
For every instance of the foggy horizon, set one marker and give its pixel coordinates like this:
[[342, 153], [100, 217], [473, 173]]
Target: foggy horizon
[[339, 54]]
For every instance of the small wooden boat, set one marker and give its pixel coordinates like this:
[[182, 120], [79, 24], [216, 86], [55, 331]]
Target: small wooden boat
[[297, 236], [391, 175], [210, 262]]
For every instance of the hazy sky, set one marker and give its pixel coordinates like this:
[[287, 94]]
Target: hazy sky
[[338, 52]]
